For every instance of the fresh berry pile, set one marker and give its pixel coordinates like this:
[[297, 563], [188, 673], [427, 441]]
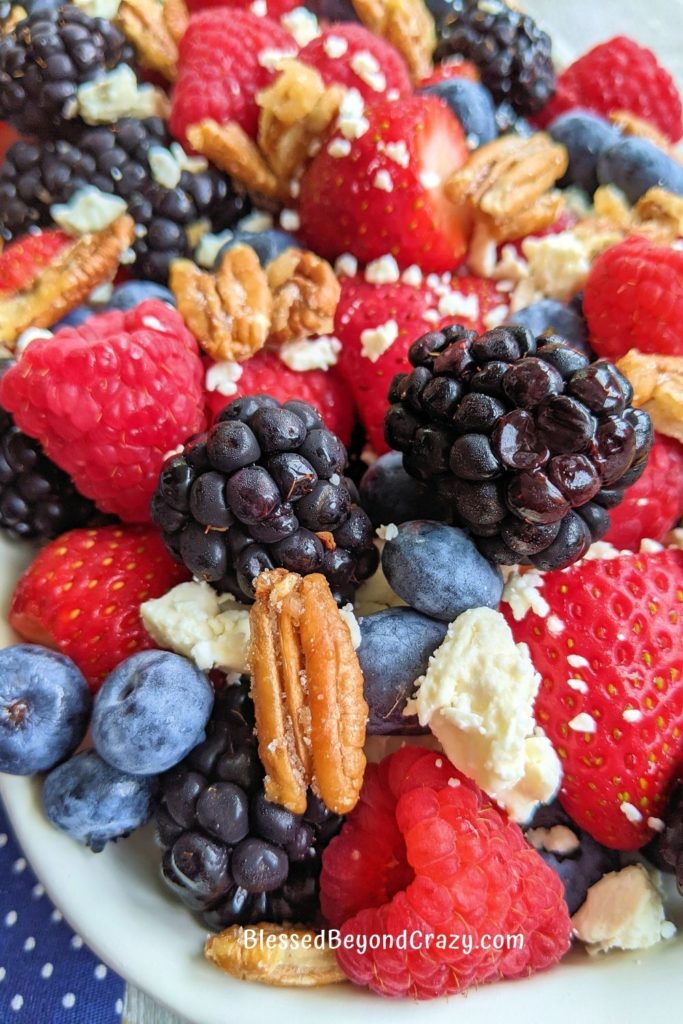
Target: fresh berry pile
[[341, 388]]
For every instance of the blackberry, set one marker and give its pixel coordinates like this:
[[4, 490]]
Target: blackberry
[[44, 60], [526, 440], [665, 851], [115, 159], [264, 488], [229, 854], [38, 501], [512, 53]]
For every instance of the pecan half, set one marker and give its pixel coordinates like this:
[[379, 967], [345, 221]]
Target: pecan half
[[229, 311], [407, 25], [307, 688], [230, 148], [295, 963], [305, 293], [145, 23], [657, 383], [92, 259]]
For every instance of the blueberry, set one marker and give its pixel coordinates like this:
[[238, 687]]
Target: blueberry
[[635, 165], [332, 10], [561, 319], [136, 724], [437, 570], [266, 244], [395, 648], [44, 709], [472, 104], [93, 802], [585, 136], [132, 293], [389, 495], [75, 318]]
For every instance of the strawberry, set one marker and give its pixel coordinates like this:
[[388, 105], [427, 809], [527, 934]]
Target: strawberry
[[364, 309], [8, 137], [22, 261], [453, 67], [649, 509], [610, 654], [381, 190], [353, 56], [83, 592]]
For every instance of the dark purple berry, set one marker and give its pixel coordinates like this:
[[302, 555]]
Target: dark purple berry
[[252, 494], [517, 443], [472, 458], [530, 382], [535, 499], [230, 445], [208, 503], [277, 430]]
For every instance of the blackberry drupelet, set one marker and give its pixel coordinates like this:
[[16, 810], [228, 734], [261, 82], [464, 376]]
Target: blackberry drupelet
[[115, 159], [44, 60], [264, 488], [665, 851], [527, 442], [38, 501], [512, 53], [229, 854]]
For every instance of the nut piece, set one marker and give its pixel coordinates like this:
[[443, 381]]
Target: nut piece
[[229, 147], [657, 383], [630, 124], [307, 688], [91, 260], [145, 24], [505, 183], [296, 110], [290, 961], [305, 293], [407, 25], [229, 311]]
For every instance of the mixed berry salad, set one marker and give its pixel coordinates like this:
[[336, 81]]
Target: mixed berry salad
[[341, 400]]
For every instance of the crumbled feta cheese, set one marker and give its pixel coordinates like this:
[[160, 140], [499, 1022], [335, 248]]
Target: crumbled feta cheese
[[88, 210], [429, 179], [375, 341], [522, 593], [558, 839], [335, 47], [623, 910], [431, 316], [630, 812], [164, 166], [27, 336], [193, 620], [383, 270], [99, 8], [351, 621], [113, 95], [339, 148], [396, 151], [558, 264], [100, 295], [632, 715], [656, 824], [366, 66], [302, 24], [351, 122], [209, 246], [256, 221], [259, 8], [290, 220], [555, 625], [457, 304], [223, 376], [583, 722], [388, 532], [271, 59], [496, 316], [601, 550], [412, 276], [647, 546], [577, 684], [310, 353], [477, 698], [346, 265], [382, 181]]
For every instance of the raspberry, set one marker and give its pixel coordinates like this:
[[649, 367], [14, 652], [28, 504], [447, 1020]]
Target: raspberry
[[352, 56], [219, 73], [274, 8], [655, 502], [619, 75], [425, 851], [83, 592], [454, 67], [21, 261], [266, 374], [634, 299], [108, 399]]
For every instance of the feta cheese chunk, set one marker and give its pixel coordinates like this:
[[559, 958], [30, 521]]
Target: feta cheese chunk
[[623, 910]]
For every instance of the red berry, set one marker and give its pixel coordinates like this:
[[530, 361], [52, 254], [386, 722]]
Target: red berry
[[83, 592], [425, 852], [454, 67], [634, 299], [619, 75], [219, 72], [265, 373], [273, 8], [22, 261], [8, 137], [366, 307], [368, 64], [108, 399], [610, 651], [386, 195], [654, 504]]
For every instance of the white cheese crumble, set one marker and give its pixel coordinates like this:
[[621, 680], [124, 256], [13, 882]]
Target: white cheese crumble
[[555, 625], [656, 824], [259, 8], [351, 122], [310, 353], [558, 839], [257, 220], [632, 715], [351, 621], [583, 722], [290, 220], [429, 179], [209, 246], [375, 341], [366, 66], [396, 151], [623, 910], [302, 24], [648, 546], [383, 270], [558, 264], [477, 698], [382, 181], [99, 8], [223, 377], [412, 276], [630, 812], [193, 620], [113, 95], [164, 167], [87, 210], [388, 532], [346, 265], [335, 47], [457, 304], [522, 591], [339, 148], [29, 335], [496, 316], [272, 58]]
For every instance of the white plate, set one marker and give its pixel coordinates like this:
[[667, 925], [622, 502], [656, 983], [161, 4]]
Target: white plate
[[116, 901]]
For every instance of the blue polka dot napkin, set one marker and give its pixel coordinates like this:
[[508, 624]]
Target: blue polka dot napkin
[[47, 975]]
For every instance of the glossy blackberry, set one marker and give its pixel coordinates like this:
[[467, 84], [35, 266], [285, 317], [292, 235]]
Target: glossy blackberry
[[512, 53], [115, 159], [44, 60], [229, 854], [525, 440], [38, 501], [666, 849], [265, 488]]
